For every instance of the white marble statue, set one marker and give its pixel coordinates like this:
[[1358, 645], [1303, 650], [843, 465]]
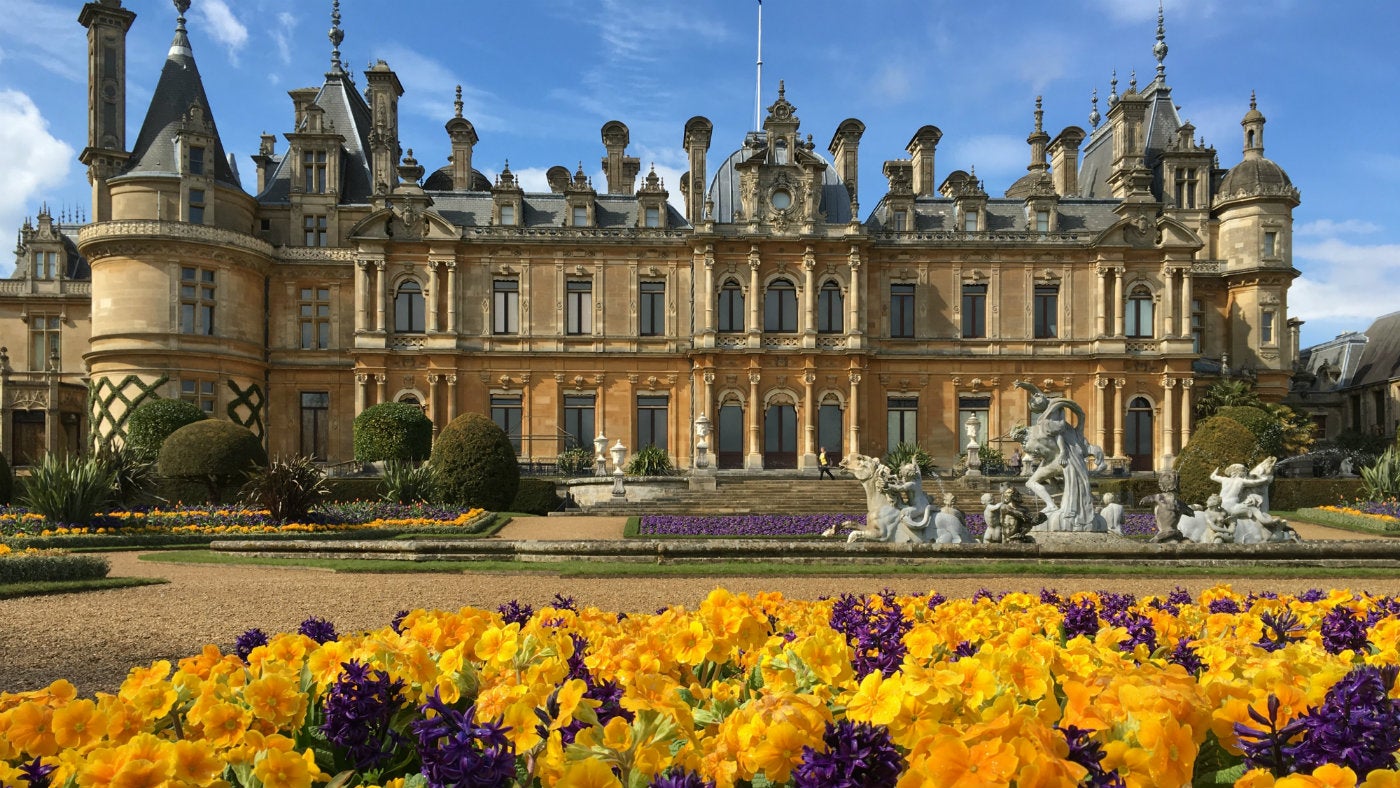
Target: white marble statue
[[1057, 445], [1239, 513], [906, 492], [951, 524], [989, 515], [889, 518], [1112, 514]]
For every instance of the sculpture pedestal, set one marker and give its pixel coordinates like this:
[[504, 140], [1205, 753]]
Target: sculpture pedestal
[[702, 479]]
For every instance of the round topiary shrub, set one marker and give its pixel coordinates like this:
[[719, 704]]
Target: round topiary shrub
[[1265, 426], [213, 451], [474, 464], [155, 420], [392, 431], [1216, 442]]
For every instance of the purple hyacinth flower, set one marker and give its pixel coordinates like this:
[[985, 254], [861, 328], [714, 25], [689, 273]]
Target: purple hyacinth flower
[[679, 779], [857, 755], [1080, 618], [318, 629], [37, 774], [359, 708], [246, 642], [1088, 753], [457, 750], [1342, 630], [1357, 725]]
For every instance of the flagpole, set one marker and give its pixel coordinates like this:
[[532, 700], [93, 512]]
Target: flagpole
[[758, 87]]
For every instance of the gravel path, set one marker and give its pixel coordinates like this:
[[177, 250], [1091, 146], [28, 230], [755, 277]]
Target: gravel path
[[93, 639]]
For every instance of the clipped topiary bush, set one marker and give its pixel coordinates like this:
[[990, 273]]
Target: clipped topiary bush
[[1216, 443], [392, 431], [1265, 427], [536, 496], [155, 420], [7, 481], [213, 451], [474, 464]]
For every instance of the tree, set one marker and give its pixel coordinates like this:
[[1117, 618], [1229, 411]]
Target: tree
[[1227, 393]]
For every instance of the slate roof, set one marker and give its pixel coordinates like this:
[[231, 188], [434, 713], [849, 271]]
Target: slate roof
[[348, 115], [179, 88], [616, 211], [1380, 361], [1161, 122], [1003, 215]]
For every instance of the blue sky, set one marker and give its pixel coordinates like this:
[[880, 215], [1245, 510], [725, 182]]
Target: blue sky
[[540, 77]]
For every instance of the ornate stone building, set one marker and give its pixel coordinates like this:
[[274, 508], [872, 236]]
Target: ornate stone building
[[1124, 269]]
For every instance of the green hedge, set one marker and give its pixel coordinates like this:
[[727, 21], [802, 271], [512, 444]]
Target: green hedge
[[41, 568], [1289, 494], [474, 464], [1129, 490], [536, 496], [358, 488]]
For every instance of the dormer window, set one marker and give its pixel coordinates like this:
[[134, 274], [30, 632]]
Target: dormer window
[[1042, 222], [1186, 187], [196, 160], [901, 221], [314, 171], [780, 151], [580, 216], [507, 215], [653, 217], [45, 264], [970, 221]]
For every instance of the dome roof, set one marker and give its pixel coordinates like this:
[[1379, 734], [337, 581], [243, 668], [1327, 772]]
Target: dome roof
[[724, 188], [441, 181], [1256, 176]]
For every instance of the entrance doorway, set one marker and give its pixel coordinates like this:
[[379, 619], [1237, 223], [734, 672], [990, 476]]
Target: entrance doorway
[[829, 431], [1139, 435], [780, 437], [31, 442], [729, 452]]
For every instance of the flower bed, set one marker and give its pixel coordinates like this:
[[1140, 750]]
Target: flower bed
[[18, 525], [1091, 689], [806, 525], [1383, 514], [38, 566]]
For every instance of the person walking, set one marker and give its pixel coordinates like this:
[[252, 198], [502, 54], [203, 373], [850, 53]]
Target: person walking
[[824, 465]]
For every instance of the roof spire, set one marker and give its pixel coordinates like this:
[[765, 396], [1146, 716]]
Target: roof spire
[[1039, 115], [181, 44], [1113, 89], [457, 105], [1253, 104], [1094, 115], [1160, 50], [336, 35]]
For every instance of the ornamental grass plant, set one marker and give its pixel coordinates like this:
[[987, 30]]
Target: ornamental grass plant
[[287, 489], [68, 490]]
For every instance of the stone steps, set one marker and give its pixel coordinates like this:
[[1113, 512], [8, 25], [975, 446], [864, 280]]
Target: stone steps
[[737, 495]]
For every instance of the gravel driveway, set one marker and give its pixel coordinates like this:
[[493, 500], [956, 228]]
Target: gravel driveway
[[93, 639]]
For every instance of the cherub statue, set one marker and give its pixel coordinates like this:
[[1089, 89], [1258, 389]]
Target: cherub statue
[[1016, 521], [1112, 513], [993, 533], [1234, 484], [1167, 508]]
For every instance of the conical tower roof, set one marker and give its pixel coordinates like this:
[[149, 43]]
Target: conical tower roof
[[179, 90]]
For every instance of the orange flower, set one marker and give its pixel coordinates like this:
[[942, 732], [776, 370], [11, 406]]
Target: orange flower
[[78, 724], [284, 769], [952, 764], [31, 729], [588, 773]]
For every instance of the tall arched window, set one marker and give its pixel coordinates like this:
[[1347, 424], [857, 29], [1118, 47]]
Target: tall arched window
[[408, 308], [831, 307], [731, 308], [1138, 322], [780, 307]]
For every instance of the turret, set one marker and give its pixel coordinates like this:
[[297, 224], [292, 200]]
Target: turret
[[107, 24], [383, 94], [464, 139]]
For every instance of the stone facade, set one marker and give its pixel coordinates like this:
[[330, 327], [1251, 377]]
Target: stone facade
[[1124, 270]]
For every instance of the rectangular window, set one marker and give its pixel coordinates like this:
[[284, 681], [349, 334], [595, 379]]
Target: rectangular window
[[973, 406], [974, 311], [315, 425], [45, 341], [653, 217], [196, 160], [196, 301], [196, 206], [903, 420], [313, 165], [507, 215], [45, 265], [901, 221], [578, 419], [314, 316], [902, 310], [200, 392], [1047, 311], [506, 411], [1186, 187], [653, 309], [1198, 324], [1266, 327], [505, 306], [1042, 222], [580, 216], [1270, 244], [578, 308], [970, 221], [651, 421], [315, 227]]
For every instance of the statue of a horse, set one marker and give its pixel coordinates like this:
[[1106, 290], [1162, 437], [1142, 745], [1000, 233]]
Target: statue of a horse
[[887, 518], [882, 518]]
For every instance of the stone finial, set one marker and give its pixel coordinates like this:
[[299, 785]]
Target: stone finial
[[336, 36], [457, 105], [1094, 116], [1160, 50], [1039, 115], [1113, 89], [181, 6], [1253, 103]]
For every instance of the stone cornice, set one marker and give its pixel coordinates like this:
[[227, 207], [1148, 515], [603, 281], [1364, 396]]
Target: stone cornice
[[93, 238]]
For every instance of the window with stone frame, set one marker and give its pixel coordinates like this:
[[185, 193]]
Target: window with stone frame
[[780, 307], [1138, 314], [196, 213], [408, 309], [196, 160], [578, 419], [506, 412], [314, 317], [903, 421], [505, 306], [652, 309], [652, 413], [313, 169], [1186, 181], [578, 307], [197, 301], [45, 265], [315, 425], [902, 310], [315, 230], [831, 314], [200, 391], [974, 311], [45, 341], [730, 309], [1198, 324], [1047, 311]]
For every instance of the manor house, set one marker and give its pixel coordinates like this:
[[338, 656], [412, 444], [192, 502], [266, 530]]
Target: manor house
[[1126, 269]]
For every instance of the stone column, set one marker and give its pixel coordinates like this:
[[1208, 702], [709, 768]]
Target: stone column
[[707, 296], [1170, 310], [1186, 384], [382, 291], [755, 458], [383, 382], [433, 408], [1118, 384], [1119, 313], [809, 418], [361, 295], [430, 311], [452, 296], [852, 415], [361, 391], [1168, 422], [707, 406], [1186, 298], [809, 299], [1100, 417], [1101, 303], [755, 305], [854, 291]]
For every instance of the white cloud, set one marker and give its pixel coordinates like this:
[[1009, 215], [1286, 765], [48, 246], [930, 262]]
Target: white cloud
[[894, 82], [429, 88], [282, 34], [994, 156], [1130, 11], [31, 159], [1329, 228], [1343, 280], [223, 26]]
